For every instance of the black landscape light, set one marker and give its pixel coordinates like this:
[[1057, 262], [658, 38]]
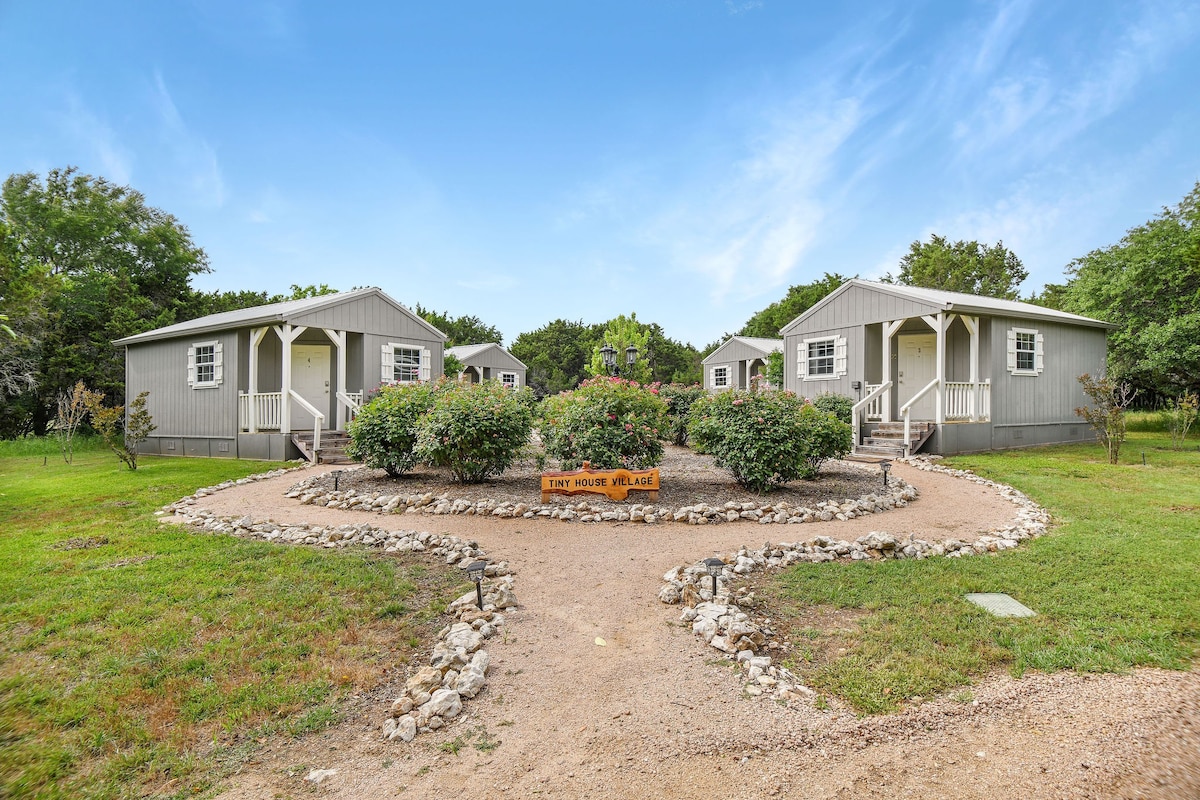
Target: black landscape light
[[475, 572], [885, 467], [609, 354], [336, 474], [714, 567]]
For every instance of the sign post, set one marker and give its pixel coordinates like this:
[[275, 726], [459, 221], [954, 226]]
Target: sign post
[[616, 484]]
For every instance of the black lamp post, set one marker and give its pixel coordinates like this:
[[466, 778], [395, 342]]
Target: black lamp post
[[714, 567], [885, 466], [609, 354], [475, 572]]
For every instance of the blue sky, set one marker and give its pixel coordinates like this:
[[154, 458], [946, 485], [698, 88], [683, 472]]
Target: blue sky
[[686, 160]]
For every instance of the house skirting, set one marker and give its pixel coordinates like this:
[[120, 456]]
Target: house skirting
[[967, 437], [254, 446]]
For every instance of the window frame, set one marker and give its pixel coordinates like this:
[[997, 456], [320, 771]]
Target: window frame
[[213, 366], [1033, 354], [513, 384], [721, 382]]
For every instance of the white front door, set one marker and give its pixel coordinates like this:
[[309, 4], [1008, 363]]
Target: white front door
[[310, 380], [916, 368]]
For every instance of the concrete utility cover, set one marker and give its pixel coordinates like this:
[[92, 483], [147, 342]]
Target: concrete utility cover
[[1001, 605]]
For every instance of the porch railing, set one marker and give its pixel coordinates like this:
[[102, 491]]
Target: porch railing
[[969, 401], [906, 412], [352, 401], [317, 416], [259, 411], [873, 408], [863, 407]]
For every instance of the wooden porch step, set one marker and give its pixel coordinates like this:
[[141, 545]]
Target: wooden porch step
[[877, 451], [333, 447]]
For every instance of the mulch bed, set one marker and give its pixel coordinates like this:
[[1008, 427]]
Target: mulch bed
[[687, 479]]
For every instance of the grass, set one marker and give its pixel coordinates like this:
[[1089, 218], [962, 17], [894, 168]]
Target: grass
[[139, 658], [1115, 585]]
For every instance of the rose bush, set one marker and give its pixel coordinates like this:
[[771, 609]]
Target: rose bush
[[679, 399], [475, 430], [384, 432], [766, 439], [611, 422]]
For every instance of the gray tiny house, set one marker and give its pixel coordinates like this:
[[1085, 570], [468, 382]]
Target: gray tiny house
[[736, 361], [944, 372], [490, 361], [265, 382]]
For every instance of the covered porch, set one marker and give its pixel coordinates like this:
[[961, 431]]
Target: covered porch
[[310, 378], [921, 373]]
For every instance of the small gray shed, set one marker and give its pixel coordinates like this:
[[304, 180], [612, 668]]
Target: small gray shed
[[945, 371], [489, 361], [736, 361], [248, 383]]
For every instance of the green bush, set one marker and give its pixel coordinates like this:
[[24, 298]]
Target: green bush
[[475, 430], [610, 422], [839, 405], [766, 439], [679, 399], [384, 432]]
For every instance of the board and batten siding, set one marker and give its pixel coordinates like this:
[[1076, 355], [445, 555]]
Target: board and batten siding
[[495, 358], [855, 361], [862, 305], [177, 409], [1052, 396]]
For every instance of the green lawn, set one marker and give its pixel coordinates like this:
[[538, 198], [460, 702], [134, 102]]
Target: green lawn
[[1116, 584], [137, 657]]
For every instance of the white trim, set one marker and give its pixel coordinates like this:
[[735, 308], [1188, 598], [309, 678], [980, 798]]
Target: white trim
[[838, 356], [193, 368], [388, 362], [514, 382], [1039, 348], [712, 377]]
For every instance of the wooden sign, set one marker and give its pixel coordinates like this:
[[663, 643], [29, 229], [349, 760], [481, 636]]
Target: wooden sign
[[615, 483]]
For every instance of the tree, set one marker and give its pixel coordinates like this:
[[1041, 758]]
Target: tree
[[767, 323], [1110, 398], [969, 267], [619, 333], [556, 355], [1149, 286], [460, 330], [86, 262]]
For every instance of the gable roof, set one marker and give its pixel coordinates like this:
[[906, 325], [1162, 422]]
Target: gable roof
[[764, 346], [465, 351], [270, 314], [957, 302]]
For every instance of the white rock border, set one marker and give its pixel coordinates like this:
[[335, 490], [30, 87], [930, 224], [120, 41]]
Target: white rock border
[[726, 627], [898, 493], [457, 667]]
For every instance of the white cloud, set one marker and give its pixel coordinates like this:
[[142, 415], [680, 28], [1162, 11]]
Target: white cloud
[[194, 156], [742, 6], [116, 162]]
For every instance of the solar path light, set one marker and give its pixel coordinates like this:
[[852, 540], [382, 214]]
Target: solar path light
[[714, 567], [885, 467], [475, 572]]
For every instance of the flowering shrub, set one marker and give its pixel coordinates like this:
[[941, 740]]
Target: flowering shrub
[[839, 405], [475, 430], [766, 439], [610, 422], [384, 432], [679, 398]]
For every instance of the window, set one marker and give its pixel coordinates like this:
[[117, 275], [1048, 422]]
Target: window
[[204, 365], [1025, 352], [509, 379], [404, 363], [821, 359], [720, 377]]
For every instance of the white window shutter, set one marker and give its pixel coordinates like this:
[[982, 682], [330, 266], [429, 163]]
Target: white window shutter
[[1012, 350], [388, 375], [1039, 349], [191, 366], [801, 360], [426, 357], [839, 357], [218, 369]]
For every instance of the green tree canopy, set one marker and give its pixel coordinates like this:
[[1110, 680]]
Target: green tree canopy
[[970, 267], [461, 330], [1148, 284], [767, 323], [556, 355], [619, 333], [84, 262]]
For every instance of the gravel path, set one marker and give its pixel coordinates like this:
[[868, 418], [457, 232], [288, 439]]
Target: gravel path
[[652, 713]]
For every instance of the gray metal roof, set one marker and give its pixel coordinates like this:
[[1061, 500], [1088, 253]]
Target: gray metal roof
[[958, 302], [465, 351], [268, 314]]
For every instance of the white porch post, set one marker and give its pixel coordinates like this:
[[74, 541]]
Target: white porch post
[[889, 330], [939, 414], [339, 340], [288, 334], [972, 324], [256, 337]]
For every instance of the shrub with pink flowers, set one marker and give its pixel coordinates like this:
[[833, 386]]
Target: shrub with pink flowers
[[475, 430], [611, 422], [766, 439]]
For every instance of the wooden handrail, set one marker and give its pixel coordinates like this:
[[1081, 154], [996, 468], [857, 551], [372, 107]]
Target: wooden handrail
[[861, 404], [907, 407], [318, 418]]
